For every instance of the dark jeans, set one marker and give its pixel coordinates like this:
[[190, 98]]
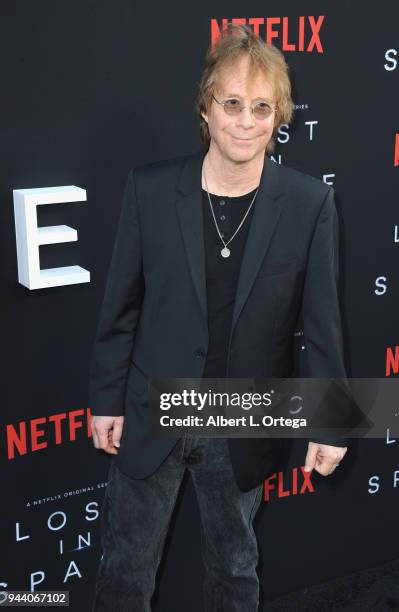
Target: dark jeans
[[135, 519]]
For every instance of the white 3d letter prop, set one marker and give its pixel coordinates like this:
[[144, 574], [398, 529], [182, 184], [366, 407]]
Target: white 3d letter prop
[[29, 237]]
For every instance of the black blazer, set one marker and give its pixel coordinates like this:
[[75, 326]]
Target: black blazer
[[153, 318]]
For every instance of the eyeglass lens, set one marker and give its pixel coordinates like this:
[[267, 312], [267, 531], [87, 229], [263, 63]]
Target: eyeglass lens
[[261, 110]]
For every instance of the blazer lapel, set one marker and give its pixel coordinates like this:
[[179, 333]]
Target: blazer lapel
[[189, 209], [267, 209], [264, 220]]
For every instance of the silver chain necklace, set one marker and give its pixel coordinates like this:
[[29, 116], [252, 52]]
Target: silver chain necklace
[[225, 252]]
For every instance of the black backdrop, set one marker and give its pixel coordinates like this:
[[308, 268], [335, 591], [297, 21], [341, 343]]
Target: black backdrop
[[80, 98]]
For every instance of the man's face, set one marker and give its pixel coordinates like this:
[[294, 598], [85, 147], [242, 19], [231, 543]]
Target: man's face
[[240, 138]]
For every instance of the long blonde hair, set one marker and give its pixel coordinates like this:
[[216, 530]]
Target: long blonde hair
[[235, 41]]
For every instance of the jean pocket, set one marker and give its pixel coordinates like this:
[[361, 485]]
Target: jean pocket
[[256, 503]]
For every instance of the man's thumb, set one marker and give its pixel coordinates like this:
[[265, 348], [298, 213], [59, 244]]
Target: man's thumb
[[310, 460], [117, 432]]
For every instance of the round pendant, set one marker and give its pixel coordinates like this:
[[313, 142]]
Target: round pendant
[[225, 252]]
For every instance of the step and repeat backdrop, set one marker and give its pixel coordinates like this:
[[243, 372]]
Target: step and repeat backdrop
[[91, 89]]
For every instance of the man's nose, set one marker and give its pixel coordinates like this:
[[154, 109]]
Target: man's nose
[[246, 118]]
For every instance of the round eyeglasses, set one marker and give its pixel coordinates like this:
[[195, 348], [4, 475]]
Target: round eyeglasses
[[260, 110]]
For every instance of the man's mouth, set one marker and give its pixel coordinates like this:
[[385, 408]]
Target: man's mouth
[[243, 139]]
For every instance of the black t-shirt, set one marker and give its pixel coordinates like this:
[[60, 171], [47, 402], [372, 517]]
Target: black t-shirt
[[222, 273]]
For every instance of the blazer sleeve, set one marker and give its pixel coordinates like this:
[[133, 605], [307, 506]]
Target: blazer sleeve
[[324, 354], [119, 312]]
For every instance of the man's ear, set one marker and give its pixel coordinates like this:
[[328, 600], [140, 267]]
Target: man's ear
[[204, 116]]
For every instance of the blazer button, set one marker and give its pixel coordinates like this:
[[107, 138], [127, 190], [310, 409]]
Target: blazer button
[[199, 352]]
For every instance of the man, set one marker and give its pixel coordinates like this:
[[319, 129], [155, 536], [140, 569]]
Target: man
[[216, 256]]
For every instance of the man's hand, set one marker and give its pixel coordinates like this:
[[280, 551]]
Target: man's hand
[[107, 432], [323, 457]]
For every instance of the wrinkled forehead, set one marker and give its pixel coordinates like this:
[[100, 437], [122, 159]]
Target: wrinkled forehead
[[241, 79]]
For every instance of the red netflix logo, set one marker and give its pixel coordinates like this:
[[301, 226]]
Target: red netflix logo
[[396, 151], [300, 483], [37, 434], [301, 34], [392, 361]]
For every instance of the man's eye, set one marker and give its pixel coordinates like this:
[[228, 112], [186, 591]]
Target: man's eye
[[232, 102], [263, 105]]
